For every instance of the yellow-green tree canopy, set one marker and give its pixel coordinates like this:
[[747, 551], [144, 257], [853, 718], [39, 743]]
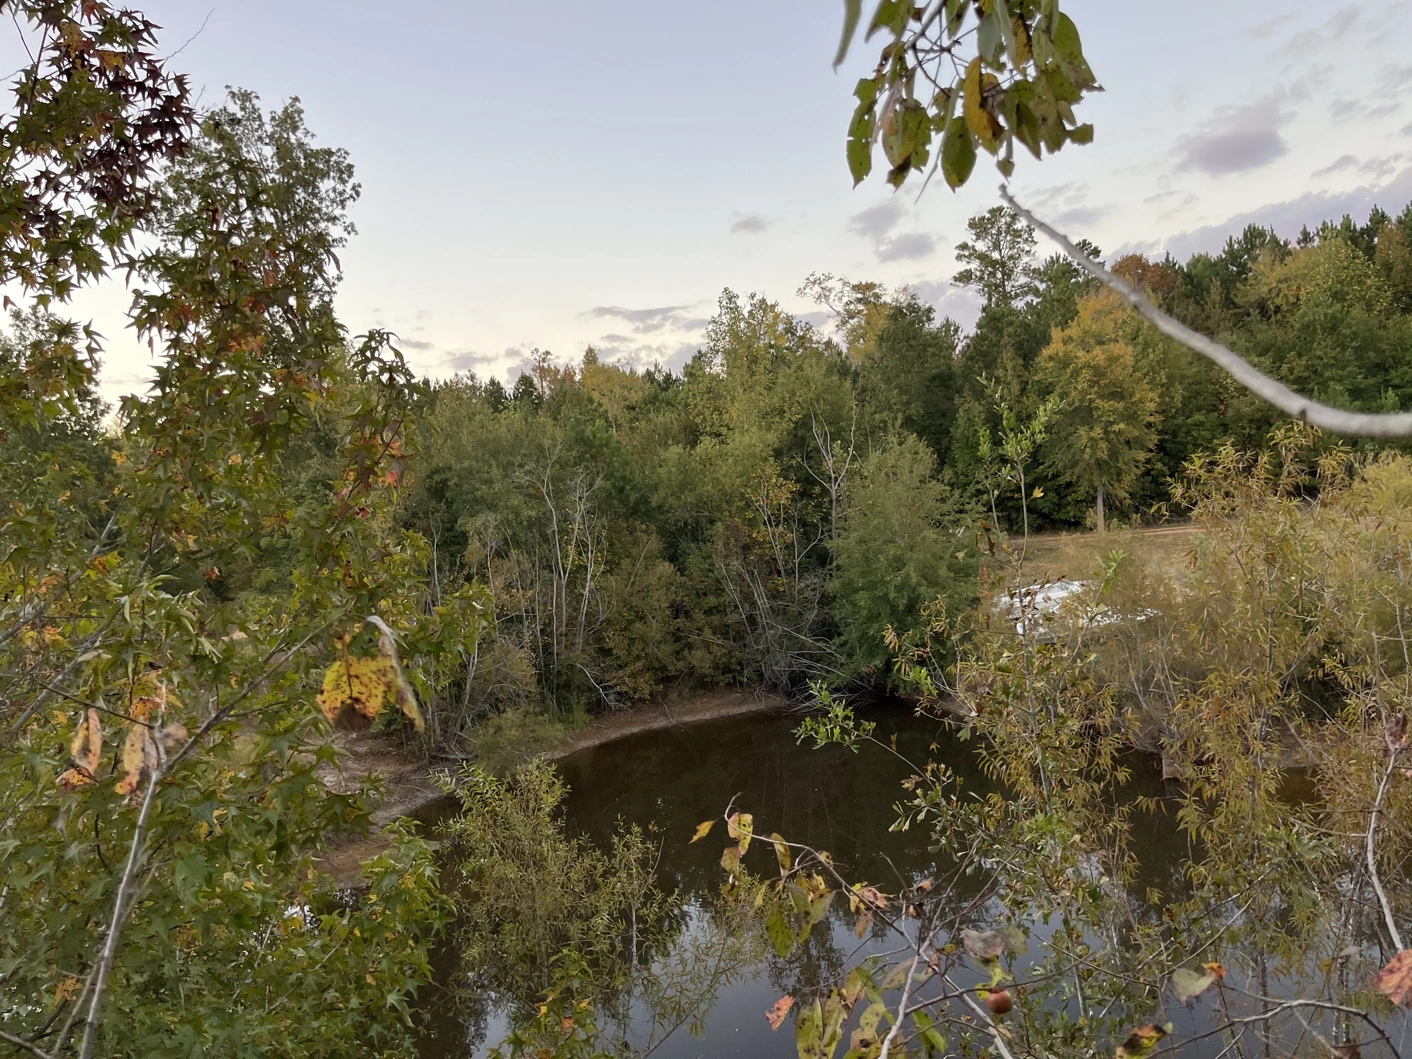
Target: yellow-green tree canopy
[[1102, 434]]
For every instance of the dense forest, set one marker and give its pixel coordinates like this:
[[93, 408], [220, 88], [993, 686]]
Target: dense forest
[[291, 547], [768, 514]]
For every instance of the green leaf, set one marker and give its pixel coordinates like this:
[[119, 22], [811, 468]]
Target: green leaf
[[779, 931], [809, 1032], [891, 14], [933, 1043], [1066, 39], [1081, 134], [782, 852], [955, 16], [958, 154], [991, 37], [1188, 985], [852, 13], [860, 142]]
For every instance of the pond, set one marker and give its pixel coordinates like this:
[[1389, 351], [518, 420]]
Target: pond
[[832, 799]]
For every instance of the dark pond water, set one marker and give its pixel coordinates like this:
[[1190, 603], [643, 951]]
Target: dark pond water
[[831, 798]]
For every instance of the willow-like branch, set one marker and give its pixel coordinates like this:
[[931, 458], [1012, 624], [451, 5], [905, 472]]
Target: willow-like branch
[[1325, 417]]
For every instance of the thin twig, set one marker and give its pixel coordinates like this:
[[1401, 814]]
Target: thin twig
[[1372, 858], [120, 909], [24, 1045], [901, 1008]]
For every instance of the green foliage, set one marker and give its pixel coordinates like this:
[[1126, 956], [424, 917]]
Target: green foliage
[[95, 115], [1002, 71], [594, 908], [163, 900], [997, 257], [1276, 653], [1102, 432], [902, 545], [512, 738]]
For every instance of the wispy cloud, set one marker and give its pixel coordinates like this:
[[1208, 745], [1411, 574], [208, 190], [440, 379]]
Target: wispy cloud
[[876, 221], [909, 247], [414, 343], [1235, 140], [649, 321], [750, 224]]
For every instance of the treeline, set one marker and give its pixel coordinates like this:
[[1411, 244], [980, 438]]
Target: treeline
[[765, 516]]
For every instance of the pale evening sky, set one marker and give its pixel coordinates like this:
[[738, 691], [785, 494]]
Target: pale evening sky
[[560, 174]]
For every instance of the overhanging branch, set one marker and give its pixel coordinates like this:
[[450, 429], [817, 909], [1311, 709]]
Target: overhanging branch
[[1325, 417]]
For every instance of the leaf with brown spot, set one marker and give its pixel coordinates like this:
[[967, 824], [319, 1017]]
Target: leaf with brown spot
[[76, 779], [1395, 980], [1142, 1041], [355, 691], [741, 826], [139, 758], [87, 745]]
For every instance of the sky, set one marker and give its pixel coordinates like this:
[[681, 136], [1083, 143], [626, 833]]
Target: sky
[[560, 174]]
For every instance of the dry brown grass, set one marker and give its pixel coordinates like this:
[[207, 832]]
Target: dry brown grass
[[1078, 556]]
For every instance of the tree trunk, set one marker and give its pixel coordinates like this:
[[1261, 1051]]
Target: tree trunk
[[1101, 527]]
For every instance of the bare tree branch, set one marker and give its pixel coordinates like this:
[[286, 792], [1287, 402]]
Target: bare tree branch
[[24, 1045], [1325, 417], [1372, 858], [121, 906]]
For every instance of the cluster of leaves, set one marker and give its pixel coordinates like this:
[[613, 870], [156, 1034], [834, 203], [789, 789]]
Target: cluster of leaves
[[971, 74], [160, 783]]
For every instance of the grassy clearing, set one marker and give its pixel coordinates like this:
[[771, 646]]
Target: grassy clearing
[[1078, 556]]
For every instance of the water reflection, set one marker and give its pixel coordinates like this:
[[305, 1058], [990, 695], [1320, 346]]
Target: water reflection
[[832, 799]]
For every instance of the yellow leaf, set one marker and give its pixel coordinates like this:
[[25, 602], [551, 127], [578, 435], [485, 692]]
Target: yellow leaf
[[67, 989], [979, 120], [702, 831], [139, 757], [355, 691], [741, 826], [87, 745]]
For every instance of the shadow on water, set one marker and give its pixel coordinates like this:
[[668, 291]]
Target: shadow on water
[[830, 798]]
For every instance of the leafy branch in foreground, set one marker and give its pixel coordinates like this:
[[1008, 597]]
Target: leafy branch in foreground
[[971, 74], [164, 900]]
